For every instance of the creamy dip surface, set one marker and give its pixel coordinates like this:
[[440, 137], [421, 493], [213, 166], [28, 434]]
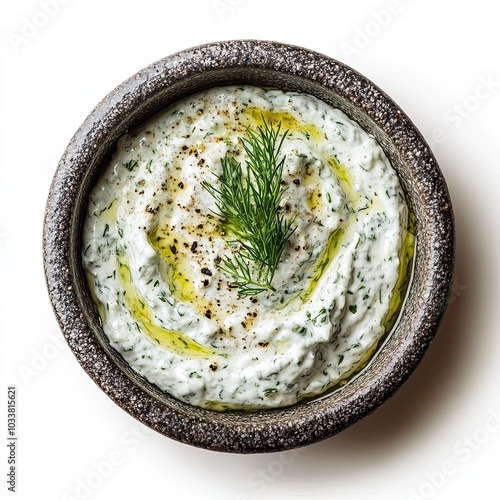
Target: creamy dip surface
[[153, 244]]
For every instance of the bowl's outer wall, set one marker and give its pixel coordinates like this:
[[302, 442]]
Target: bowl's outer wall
[[268, 64]]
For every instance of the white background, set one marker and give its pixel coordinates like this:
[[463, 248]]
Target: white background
[[439, 437]]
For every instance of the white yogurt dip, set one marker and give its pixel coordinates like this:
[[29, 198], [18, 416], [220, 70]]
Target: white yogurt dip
[[153, 244]]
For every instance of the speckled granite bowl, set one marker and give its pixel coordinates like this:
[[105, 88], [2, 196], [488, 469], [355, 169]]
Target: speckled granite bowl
[[290, 68]]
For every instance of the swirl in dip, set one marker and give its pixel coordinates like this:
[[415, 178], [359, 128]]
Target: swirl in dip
[[152, 245]]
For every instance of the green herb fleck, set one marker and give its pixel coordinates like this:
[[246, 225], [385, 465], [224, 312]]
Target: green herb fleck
[[271, 390], [130, 165]]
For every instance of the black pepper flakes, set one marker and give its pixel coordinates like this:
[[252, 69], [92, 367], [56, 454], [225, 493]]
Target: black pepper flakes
[[194, 246], [206, 271], [173, 249]]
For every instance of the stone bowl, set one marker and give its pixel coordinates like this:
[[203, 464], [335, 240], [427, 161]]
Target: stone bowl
[[267, 64]]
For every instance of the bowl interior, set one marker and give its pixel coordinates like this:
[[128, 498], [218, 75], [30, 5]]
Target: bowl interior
[[262, 64]]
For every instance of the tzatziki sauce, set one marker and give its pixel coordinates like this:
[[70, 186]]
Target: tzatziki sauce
[[153, 243]]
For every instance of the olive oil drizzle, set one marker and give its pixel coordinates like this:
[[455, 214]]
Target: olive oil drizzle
[[334, 242], [178, 272], [406, 264], [143, 316]]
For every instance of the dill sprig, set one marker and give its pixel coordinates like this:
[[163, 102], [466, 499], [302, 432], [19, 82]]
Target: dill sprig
[[248, 204]]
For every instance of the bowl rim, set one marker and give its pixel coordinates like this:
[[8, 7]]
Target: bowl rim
[[141, 94]]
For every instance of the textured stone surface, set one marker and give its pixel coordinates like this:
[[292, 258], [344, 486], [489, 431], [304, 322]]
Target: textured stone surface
[[290, 68]]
